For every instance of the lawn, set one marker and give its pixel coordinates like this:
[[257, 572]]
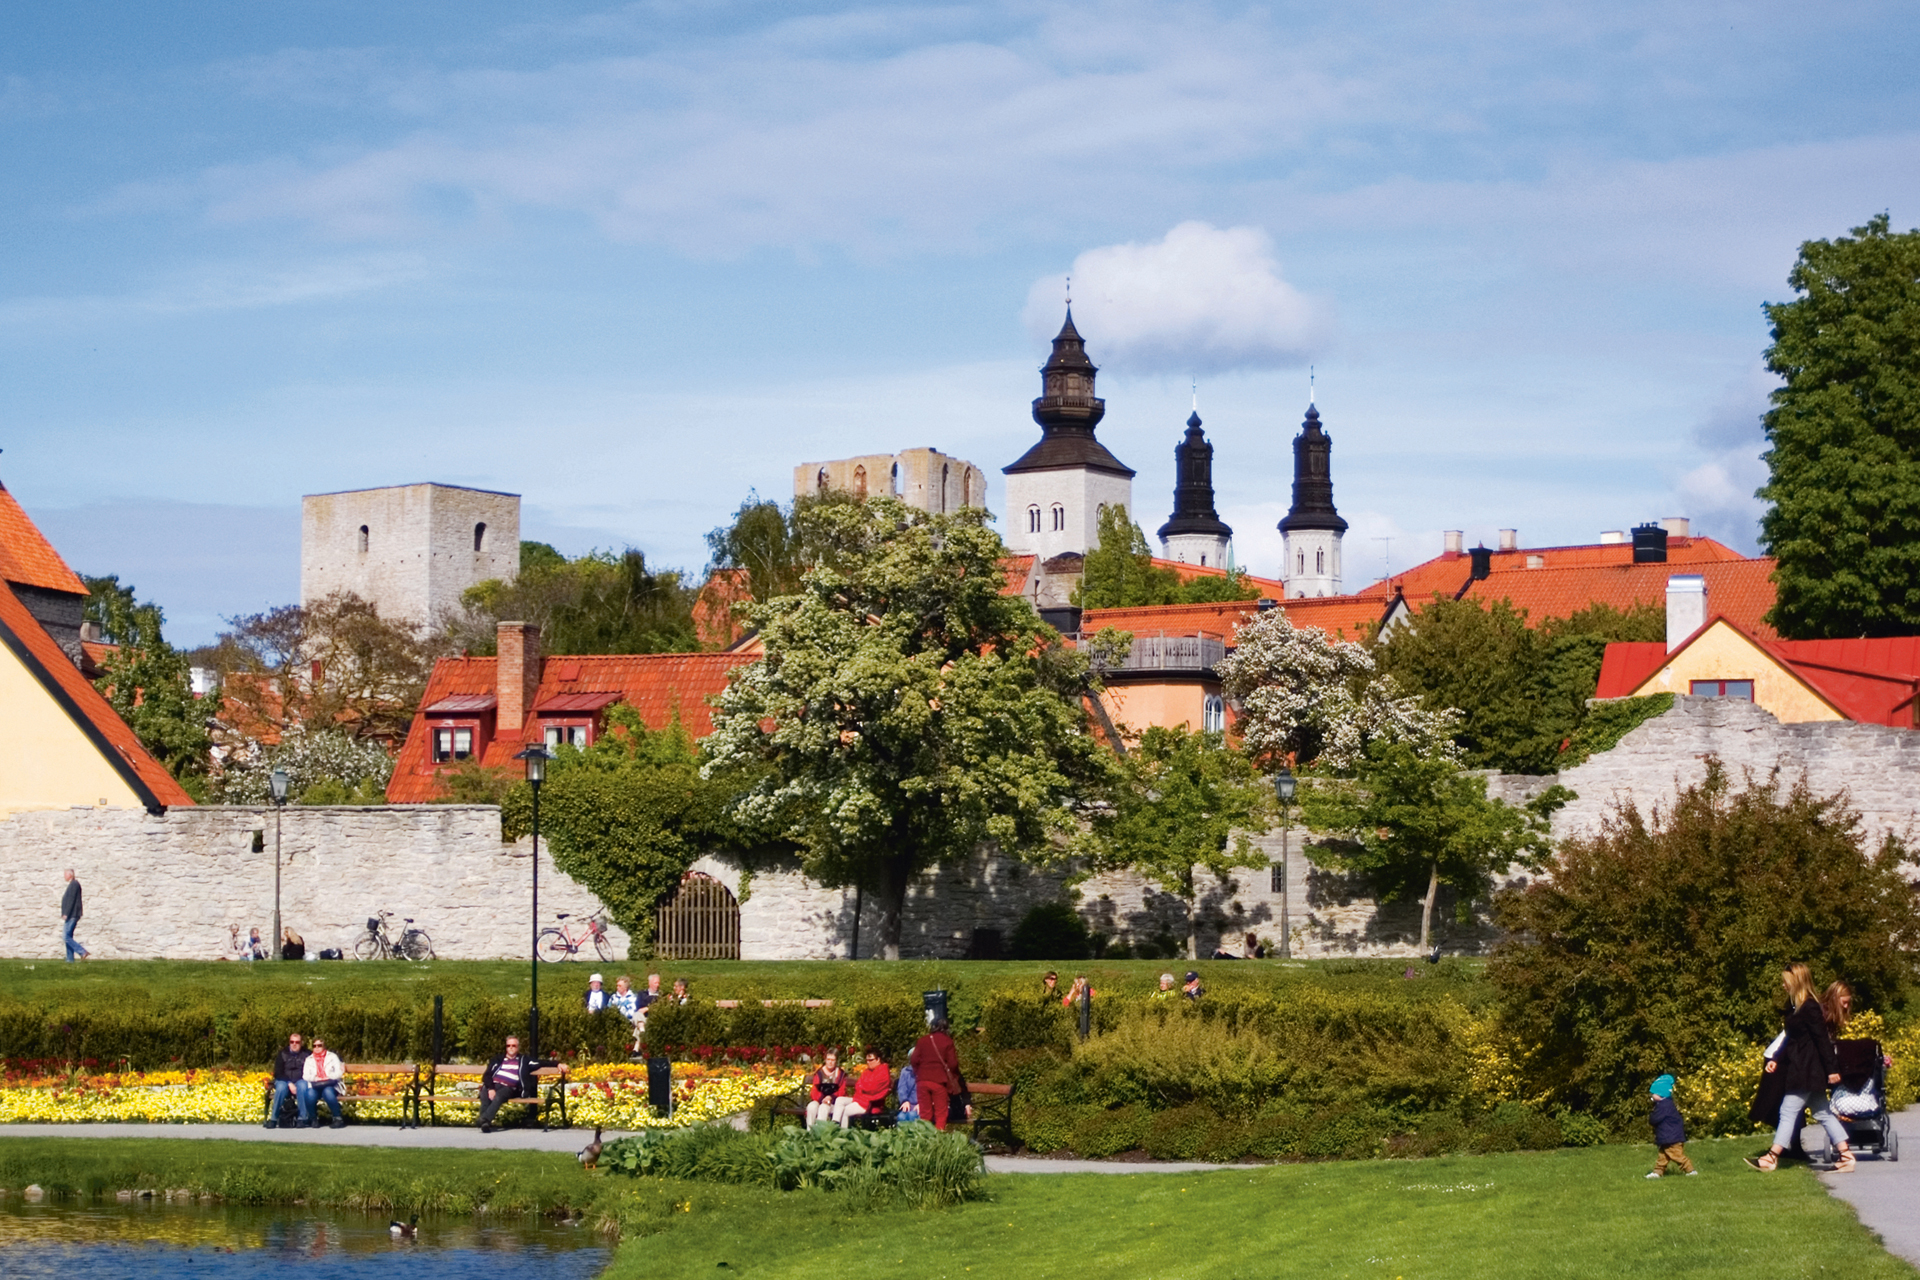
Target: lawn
[[1580, 1213]]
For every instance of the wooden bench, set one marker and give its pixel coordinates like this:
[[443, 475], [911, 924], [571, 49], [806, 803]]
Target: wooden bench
[[550, 1081], [404, 1093], [992, 1108]]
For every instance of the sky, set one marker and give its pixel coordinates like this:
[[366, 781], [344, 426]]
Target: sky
[[636, 262]]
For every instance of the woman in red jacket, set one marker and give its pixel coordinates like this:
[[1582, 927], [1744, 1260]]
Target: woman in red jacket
[[870, 1089], [936, 1068]]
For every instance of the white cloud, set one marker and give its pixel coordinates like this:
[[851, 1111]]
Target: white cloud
[[1200, 300], [228, 287], [1718, 494]]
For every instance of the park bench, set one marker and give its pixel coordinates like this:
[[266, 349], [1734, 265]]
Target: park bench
[[993, 1108], [403, 1093], [551, 1100]]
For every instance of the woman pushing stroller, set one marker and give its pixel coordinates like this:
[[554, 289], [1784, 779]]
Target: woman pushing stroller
[[1800, 1074]]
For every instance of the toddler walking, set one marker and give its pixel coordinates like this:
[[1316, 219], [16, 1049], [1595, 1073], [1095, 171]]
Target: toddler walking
[[1669, 1131]]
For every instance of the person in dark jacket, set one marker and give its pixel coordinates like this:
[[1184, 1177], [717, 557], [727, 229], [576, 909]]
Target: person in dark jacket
[[70, 917], [1669, 1131], [289, 1068], [936, 1073], [511, 1075], [1806, 1065]]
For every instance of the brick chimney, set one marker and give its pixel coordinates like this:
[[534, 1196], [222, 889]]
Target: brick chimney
[[518, 674]]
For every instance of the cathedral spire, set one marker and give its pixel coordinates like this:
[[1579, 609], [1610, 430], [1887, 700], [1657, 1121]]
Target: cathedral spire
[[1312, 480], [1194, 516], [1067, 411]]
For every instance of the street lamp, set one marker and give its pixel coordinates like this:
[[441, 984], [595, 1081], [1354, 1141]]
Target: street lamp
[[277, 784], [1284, 785], [536, 757]]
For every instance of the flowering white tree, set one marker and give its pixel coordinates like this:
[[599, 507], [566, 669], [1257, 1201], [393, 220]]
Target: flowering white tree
[[1305, 698], [325, 766]]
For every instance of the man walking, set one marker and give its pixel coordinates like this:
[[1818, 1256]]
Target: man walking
[[70, 916]]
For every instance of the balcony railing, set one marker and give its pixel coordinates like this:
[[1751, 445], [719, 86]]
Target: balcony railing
[[1190, 655]]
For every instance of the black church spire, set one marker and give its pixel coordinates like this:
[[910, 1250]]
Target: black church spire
[[1312, 480], [1193, 487], [1068, 411]]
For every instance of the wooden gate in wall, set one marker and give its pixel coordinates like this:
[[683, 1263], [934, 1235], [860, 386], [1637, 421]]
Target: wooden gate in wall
[[701, 921]]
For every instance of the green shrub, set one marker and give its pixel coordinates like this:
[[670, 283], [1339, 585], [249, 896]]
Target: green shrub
[[1099, 1132], [1180, 1134], [1580, 1130], [1026, 1021], [1514, 1126], [914, 1163], [1050, 931]]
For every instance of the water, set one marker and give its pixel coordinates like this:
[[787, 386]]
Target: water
[[144, 1240]]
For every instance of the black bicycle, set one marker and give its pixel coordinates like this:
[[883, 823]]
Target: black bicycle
[[377, 944]]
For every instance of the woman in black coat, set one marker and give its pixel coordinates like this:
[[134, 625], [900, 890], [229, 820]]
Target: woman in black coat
[[1806, 1064]]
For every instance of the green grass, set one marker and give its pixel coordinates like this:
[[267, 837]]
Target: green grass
[[1566, 1213]]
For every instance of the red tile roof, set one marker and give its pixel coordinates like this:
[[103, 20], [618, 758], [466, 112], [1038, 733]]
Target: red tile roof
[[83, 703], [1872, 681], [1447, 573], [660, 686], [1348, 617], [1272, 588], [26, 557], [1742, 590]]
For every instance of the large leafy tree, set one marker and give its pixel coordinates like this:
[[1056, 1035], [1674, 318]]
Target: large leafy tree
[[1662, 936], [601, 602], [1413, 819], [1521, 690], [907, 709], [1844, 466], [149, 682], [1182, 801]]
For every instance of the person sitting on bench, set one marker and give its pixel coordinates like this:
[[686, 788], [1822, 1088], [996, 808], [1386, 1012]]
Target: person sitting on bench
[[870, 1089], [289, 1067], [511, 1075], [320, 1082], [828, 1092]]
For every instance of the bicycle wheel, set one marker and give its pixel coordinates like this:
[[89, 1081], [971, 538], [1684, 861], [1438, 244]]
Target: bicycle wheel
[[368, 948], [417, 945], [553, 945], [602, 948]]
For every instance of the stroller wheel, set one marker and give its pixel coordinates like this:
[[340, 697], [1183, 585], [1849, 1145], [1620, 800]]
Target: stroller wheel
[[1890, 1143]]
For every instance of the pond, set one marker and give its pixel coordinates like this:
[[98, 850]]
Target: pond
[[78, 1241]]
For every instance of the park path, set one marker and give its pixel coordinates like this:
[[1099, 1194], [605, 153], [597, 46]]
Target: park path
[[1886, 1193]]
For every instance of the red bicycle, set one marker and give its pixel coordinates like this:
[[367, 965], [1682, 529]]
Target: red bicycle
[[562, 943]]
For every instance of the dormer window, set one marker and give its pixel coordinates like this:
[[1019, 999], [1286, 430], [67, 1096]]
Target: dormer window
[[453, 742], [569, 733]]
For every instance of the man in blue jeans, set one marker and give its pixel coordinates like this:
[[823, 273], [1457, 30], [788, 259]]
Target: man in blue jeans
[[288, 1067], [70, 915]]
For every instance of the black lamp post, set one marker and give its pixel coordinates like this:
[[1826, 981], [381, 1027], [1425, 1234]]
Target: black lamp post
[[277, 784], [536, 757], [1284, 785]]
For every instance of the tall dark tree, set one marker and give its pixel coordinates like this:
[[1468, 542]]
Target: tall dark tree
[[149, 682], [1844, 466]]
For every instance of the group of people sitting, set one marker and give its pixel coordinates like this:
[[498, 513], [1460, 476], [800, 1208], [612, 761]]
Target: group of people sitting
[[929, 1087], [630, 1004], [311, 1076], [254, 947]]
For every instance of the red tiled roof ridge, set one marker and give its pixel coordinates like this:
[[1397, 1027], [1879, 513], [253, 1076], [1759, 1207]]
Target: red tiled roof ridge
[[26, 557]]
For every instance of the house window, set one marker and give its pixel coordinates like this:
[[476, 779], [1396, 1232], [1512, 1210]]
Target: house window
[[576, 734], [1033, 519], [1059, 517], [1741, 689], [1203, 559], [480, 536], [1277, 877], [452, 743], [1213, 714], [363, 538]]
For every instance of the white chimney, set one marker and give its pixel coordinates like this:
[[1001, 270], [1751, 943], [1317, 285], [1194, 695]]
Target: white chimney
[[1686, 607], [1677, 526], [1612, 537], [1536, 562], [1455, 542]]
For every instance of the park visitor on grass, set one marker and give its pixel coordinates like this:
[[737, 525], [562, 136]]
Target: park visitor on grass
[[1807, 1064], [289, 1069], [936, 1073], [320, 1080], [1074, 992], [1669, 1131], [1193, 990], [907, 1094], [1049, 987], [70, 908]]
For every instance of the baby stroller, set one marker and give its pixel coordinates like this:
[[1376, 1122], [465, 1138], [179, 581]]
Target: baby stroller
[[1859, 1102]]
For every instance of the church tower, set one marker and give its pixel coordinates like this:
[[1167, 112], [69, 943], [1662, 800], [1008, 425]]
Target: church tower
[[1195, 534], [1313, 528], [1056, 489]]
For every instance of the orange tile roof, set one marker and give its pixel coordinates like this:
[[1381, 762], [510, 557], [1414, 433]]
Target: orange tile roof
[[1742, 590], [1272, 588], [83, 703], [1446, 573], [26, 557], [1350, 617], [1018, 569], [660, 686]]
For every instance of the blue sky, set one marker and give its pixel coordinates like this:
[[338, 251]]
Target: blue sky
[[635, 261]]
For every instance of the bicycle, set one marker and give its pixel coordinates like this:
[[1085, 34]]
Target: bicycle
[[376, 945], [557, 943]]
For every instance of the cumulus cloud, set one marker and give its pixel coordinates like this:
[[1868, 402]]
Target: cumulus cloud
[[1201, 299], [1718, 494]]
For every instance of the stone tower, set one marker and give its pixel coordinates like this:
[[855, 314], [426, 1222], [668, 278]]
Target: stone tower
[[410, 549], [1056, 489], [1311, 565], [926, 479], [1195, 534]]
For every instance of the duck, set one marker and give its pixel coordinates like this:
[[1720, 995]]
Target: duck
[[590, 1154], [404, 1230]]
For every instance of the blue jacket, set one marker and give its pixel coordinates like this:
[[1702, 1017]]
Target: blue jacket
[[1668, 1127]]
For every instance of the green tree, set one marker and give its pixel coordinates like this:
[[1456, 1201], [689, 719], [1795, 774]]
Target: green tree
[[1120, 573], [1844, 463], [601, 602], [907, 710], [628, 815], [764, 542], [1659, 938], [149, 682], [1521, 691], [1413, 819], [1208, 589], [1182, 801]]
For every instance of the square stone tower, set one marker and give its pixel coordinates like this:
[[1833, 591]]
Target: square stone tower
[[410, 549]]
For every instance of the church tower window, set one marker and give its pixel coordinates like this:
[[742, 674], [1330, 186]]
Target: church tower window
[[943, 487], [1320, 562], [363, 539], [820, 481], [1033, 519], [1059, 517], [480, 536]]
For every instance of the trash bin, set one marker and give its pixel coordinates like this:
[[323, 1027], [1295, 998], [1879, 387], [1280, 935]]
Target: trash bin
[[660, 1086]]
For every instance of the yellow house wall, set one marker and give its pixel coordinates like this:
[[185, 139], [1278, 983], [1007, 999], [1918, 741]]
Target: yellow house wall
[[46, 762], [1724, 654], [1140, 706]]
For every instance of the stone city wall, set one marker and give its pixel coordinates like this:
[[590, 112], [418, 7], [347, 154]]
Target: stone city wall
[[168, 887]]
